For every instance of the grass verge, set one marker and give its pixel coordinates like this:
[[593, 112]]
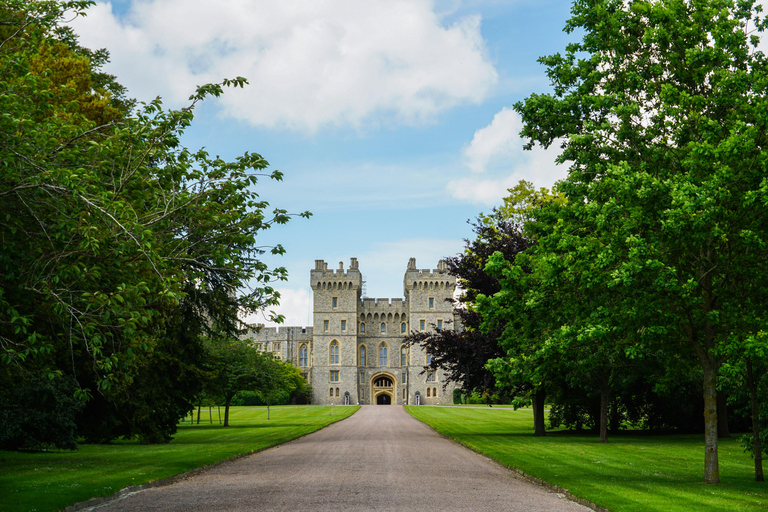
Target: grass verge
[[633, 472], [50, 481]]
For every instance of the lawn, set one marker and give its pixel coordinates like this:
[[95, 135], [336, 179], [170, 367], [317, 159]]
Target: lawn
[[633, 472], [50, 481]]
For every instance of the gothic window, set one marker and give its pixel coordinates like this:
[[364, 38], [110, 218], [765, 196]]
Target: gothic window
[[421, 325], [431, 303], [403, 378], [343, 325], [402, 327], [331, 392], [303, 356], [337, 391], [335, 352], [429, 392], [362, 327], [335, 302], [362, 377], [403, 356], [325, 325], [383, 354], [383, 327], [362, 355]]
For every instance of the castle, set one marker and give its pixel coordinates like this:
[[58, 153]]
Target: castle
[[354, 352]]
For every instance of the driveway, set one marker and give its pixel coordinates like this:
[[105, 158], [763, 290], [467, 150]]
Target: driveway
[[379, 459]]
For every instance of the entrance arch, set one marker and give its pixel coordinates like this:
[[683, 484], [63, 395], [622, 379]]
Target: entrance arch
[[383, 388]]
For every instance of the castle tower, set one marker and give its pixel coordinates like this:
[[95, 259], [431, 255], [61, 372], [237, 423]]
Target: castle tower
[[336, 299], [427, 293]]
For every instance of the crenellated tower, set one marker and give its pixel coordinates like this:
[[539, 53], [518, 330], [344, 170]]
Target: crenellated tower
[[337, 296]]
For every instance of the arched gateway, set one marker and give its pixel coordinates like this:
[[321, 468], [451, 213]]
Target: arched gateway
[[383, 388]]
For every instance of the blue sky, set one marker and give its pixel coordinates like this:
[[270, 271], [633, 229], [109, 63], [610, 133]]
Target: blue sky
[[391, 119]]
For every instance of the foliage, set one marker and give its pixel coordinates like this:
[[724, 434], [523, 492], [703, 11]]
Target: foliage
[[660, 112], [237, 365], [120, 247], [37, 414], [463, 350]]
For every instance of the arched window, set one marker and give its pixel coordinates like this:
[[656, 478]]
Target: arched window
[[383, 354], [334, 352], [429, 392], [362, 355], [362, 327], [402, 327], [303, 359], [403, 356], [383, 327]]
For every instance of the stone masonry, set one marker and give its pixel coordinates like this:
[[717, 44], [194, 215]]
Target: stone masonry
[[354, 352]]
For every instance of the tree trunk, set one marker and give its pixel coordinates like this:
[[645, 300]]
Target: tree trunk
[[227, 401], [723, 432], [538, 413], [210, 415], [757, 445], [199, 408], [605, 393], [711, 461]]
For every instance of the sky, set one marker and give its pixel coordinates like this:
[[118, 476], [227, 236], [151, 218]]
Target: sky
[[391, 120]]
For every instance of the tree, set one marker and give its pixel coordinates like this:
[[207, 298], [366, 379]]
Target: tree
[[463, 351], [660, 111], [120, 247], [286, 381], [237, 365]]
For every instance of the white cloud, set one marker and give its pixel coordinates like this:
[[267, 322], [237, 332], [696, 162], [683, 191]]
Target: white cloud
[[496, 151], [310, 64], [295, 305]]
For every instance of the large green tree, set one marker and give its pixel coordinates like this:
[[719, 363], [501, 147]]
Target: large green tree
[[661, 112], [120, 248]]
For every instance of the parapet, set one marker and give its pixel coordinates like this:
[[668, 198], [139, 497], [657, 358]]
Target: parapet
[[320, 275], [281, 334], [382, 304]]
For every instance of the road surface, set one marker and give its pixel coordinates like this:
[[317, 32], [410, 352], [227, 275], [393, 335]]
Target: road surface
[[378, 459]]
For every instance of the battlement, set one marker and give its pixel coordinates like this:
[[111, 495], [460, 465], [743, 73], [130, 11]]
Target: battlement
[[321, 277], [426, 278], [381, 304], [281, 334]]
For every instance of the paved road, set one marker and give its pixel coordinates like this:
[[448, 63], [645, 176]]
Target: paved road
[[378, 459]]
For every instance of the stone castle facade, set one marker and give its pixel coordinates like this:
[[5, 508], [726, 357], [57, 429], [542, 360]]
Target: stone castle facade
[[354, 352]]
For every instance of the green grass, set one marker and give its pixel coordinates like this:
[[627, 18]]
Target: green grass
[[50, 481], [630, 473]]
